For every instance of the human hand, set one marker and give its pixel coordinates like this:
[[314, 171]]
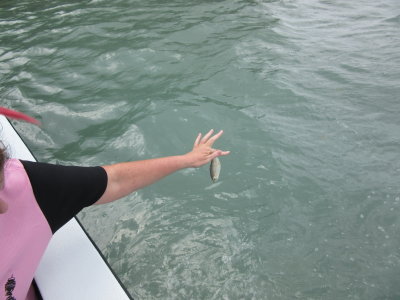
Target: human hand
[[202, 152]]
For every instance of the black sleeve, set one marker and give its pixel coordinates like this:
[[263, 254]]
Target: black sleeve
[[62, 191]]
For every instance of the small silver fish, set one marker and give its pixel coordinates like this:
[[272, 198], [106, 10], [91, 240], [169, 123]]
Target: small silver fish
[[215, 169]]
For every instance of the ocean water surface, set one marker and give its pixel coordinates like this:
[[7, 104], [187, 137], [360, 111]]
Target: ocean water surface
[[308, 202]]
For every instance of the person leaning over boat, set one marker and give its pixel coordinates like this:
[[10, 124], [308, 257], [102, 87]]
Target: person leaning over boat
[[36, 199]]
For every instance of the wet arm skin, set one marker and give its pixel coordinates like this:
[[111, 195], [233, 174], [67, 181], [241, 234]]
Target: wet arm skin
[[127, 177]]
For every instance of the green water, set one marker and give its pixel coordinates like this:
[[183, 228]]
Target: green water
[[308, 203]]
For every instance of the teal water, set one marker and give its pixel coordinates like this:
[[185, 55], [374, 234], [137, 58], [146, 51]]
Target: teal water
[[308, 203]]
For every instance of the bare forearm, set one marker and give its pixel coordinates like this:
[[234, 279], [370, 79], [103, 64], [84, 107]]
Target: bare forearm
[[125, 178]]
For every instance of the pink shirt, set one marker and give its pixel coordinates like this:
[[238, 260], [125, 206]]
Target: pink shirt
[[24, 233]]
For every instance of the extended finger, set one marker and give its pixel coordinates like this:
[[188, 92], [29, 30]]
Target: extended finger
[[220, 153], [211, 141], [197, 141], [225, 153], [207, 136]]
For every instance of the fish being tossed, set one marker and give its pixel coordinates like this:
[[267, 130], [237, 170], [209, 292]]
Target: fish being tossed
[[215, 169], [208, 140]]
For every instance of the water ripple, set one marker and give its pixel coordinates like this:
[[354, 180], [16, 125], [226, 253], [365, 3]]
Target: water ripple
[[307, 92]]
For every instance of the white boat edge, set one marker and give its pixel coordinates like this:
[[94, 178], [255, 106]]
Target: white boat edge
[[72, 267]]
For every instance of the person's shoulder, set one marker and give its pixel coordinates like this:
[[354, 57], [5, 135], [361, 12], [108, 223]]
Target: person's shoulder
[[14, 163]]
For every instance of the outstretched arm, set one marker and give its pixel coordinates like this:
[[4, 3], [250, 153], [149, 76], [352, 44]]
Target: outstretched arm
[[125, 178]]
